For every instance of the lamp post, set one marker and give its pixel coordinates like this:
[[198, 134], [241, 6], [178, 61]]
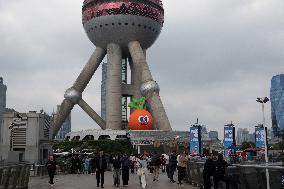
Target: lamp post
[[263, 101]]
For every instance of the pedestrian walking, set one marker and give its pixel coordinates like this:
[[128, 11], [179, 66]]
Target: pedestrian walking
[[156, 163], [221, 169], [125, 162], [116, 170], [208, 172], [142, 170], [51, 169], [132, 163], [87, 165], [172, 166], [73, 164], [182, 164], [166, 157], [163, 163], [100, 166]]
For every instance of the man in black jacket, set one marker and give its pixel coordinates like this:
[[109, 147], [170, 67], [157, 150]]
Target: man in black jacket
[[51, 168], [116, 170], [208, 171], [220, 172], [125, 162], [100, 166], [172, 166]]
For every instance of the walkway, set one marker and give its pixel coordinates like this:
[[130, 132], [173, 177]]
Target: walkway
[[89, 182]]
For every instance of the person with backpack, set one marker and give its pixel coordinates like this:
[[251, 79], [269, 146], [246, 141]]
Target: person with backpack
[[221, 169]]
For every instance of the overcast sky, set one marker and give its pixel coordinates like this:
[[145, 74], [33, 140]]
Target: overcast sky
[[212, 59]]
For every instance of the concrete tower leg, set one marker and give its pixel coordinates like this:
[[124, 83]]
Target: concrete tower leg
[[149, 88], [135, 78], [73, 94], [113, 87]]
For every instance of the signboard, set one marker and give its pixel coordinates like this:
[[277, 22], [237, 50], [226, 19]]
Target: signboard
[[229, 140], [259, 137], [195, 140]]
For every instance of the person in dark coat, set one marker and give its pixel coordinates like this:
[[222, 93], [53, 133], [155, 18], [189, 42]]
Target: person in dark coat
[[125, 162], [208, 171], [51, 169], [116, 170], [221, 169], [100, 167], [172, 166]]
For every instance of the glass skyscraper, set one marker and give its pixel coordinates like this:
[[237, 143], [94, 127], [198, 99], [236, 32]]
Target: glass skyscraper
[[277, 103]]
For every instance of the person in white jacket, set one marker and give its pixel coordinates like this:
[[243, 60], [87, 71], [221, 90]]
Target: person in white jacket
[[142, 170]]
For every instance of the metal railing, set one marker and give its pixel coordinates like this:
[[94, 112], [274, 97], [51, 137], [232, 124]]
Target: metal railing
[[14, 176], [240, 176], [38, 170]]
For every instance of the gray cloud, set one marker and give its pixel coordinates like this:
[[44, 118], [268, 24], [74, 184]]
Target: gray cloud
[[212, 60]]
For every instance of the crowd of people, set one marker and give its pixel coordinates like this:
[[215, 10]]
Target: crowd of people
[[144, 165]]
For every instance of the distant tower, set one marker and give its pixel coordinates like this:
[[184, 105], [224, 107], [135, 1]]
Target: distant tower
[[3, 90], [277, 103], [124, 106], [122, 30], [103, 90], [65, 128]]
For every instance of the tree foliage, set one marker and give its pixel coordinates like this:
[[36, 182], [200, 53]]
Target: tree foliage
[[108, 146]]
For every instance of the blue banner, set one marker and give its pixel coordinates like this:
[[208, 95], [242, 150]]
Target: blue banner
[[195, 140], [259, 137], [229, 140]]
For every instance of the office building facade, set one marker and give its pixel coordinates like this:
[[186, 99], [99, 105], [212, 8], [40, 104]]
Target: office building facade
[[28, 134], [277, 103], [65, 128]]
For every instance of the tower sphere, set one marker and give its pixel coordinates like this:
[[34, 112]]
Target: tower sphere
[[122, 21]]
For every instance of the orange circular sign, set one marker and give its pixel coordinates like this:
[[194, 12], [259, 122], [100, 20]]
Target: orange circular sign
[[140, 120]]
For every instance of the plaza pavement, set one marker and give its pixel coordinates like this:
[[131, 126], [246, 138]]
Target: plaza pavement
[[89, 182]]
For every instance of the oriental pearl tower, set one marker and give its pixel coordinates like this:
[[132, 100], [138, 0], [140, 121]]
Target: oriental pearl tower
[[120, 29]]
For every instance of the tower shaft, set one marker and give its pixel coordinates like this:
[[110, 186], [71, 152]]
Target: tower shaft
[[114, 87]]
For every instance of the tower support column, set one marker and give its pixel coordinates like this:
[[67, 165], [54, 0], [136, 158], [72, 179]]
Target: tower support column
[[149, 88], [113, 87]]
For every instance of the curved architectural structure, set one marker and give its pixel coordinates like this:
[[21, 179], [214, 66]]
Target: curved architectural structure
[[122, 29], [277, 103], [123, 21]]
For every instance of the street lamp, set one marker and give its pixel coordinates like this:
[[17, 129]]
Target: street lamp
[[263, 101]]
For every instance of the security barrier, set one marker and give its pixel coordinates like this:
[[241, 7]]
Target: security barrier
[[240, 176], [14, 176], [38, 170]]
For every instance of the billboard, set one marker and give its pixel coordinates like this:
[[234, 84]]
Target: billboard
[[259, 137], [195, 140], [229, 140]]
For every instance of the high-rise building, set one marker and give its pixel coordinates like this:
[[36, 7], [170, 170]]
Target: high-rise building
[[3, 89], [28, 134], [124, 115], [277, 103], [65, 128], [243, 135], [213, 135], [103, 91]]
